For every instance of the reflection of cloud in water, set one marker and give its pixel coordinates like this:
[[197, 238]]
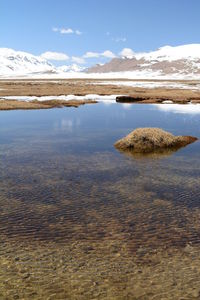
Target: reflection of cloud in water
[[179, 108], [126, 105], [67, 125]]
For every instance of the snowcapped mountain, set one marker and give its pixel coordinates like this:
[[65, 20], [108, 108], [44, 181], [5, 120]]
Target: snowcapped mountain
[[21, 63], [181, 62], [191, 52], [71, 68], [17, 63]]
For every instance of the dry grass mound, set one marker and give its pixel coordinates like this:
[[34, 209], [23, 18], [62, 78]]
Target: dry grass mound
[[144, 140], [35, 104]]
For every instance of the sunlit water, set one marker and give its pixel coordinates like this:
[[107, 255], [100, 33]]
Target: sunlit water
[[79, 220]]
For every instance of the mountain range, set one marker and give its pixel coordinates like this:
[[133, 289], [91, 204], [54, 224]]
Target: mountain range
[[181, 61], [18, 63], [172, 62]]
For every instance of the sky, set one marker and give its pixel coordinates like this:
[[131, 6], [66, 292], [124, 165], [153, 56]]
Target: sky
[[64, 31]]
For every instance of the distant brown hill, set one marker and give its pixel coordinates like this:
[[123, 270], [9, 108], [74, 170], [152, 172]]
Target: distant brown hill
[[182, 60], [181, 66]]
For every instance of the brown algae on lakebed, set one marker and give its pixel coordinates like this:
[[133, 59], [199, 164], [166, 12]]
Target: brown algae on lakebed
[[83, 239]]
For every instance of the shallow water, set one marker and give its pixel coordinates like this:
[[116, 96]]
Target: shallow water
[[80, 220]]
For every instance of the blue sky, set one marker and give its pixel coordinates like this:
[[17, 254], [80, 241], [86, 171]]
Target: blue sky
[[75, 27]]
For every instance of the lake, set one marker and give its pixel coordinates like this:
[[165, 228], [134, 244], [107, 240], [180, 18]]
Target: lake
[[80, 220]]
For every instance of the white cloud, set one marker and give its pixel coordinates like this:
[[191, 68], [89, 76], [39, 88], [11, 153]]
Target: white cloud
[[119, 39], [67, 31], [127, 52], [55, 29], [78, 60], [91, 55], [78, 32], [108, 54], [54, 56]]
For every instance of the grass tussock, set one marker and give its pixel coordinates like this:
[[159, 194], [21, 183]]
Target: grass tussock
[[144, 140]]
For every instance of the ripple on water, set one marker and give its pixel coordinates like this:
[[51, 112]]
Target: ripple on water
[[98, 224]]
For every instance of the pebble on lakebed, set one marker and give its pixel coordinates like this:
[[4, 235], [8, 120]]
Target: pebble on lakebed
[[146, 140]]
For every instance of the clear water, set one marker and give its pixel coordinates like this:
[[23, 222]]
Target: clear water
[[79, 220]]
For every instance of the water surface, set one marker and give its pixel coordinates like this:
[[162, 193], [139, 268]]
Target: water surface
[[80, 220]]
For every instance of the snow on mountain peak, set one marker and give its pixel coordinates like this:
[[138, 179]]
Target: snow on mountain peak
[[18, 63], [70, 68], [180, 62], [170, 53], [21, 63]]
